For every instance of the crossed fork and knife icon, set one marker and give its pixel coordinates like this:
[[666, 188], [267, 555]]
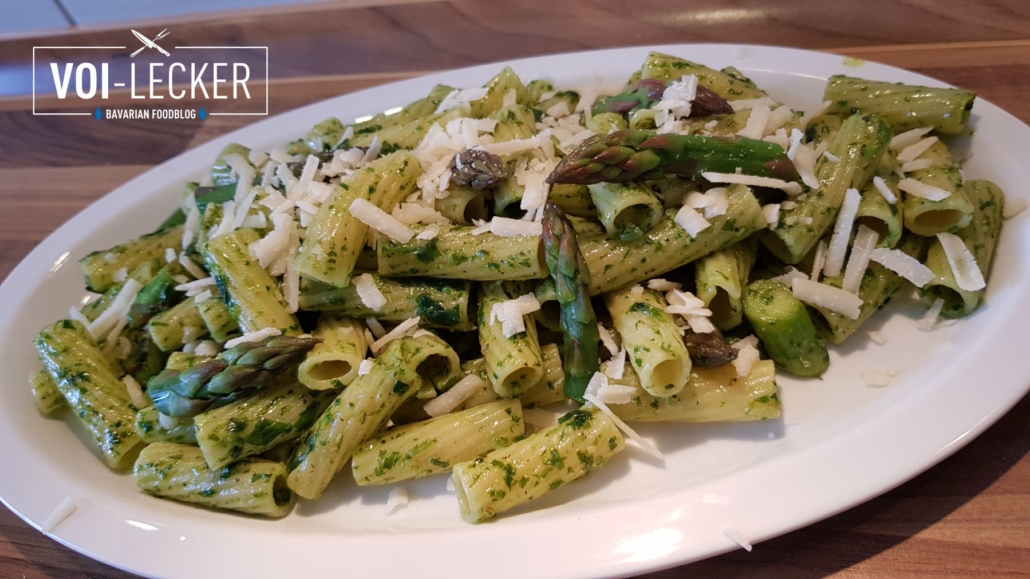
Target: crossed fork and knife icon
[[148, 43]]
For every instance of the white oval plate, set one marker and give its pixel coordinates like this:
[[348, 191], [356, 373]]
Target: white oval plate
[[839, 442]]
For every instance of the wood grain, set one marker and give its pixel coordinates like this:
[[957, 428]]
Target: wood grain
[[967, 517]]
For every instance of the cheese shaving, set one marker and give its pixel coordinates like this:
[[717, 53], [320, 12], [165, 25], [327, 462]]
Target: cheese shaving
[[255, 336], [510, 313], [117, 311], [368, 292], [917, 165], [207, 348], [915, 150], [616, 366], [841, 233], [884, 190], [691, 221], [647, 446], [1013, 207], [505, 227], [402, 329], [452, 398], [743, 104], [737, 537], [751, 180], [819, 261], [397, 499], [365, 366], [136, 395], [795, 141], [700, 324], [771, 212], [963, 265], [607, 339], [378, 331], [919, 189], [877, 337], [831, 157], [908, 138], [756, 122], [191, 229], [374, 217], [829, 297], [904, 265], [59, 514], [865, 242], [929, 319], [714, 202], [788, 278], [876, 378], [662, 285]]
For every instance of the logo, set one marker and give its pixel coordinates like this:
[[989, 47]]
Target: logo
[[166, 82], [147, 43]]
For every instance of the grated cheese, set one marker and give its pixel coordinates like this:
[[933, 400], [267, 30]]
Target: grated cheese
[[819, 261], [117, 311], [788, 278], [861, 249], [829, 297], [877, 337], [429, 233], [737, 537], [374, 217], [841, 233], [700, 324], [365, 366], [831, 157], [917, 165], [908, 138], [756, 122], [804, 162], [505, 227], [714, 202], [904, 265], [616, 366], [510, 313], [884, 190], [795, 141], [915, 150], [136, 395], [452, 398], [377, 329], [397, 499], [192, 288], [1013, 207], [918, 189], [752, 180], [963, 265], [661, 285], [929, 319], [120, 274], [402, 329], [59, 514], [747, 357], [207, 348], [77, 315], [203, 296], [461, 98], [647, 446], [772, 214], [691, 221], [170, 255], [255, 336], [876, 378], [607, 339], [369, 292], [779, 117]]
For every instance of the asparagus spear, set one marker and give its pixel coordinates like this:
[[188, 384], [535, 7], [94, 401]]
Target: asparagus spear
[[234, 374], [644, 93], [634, 154], [571, 280], [709, 350], [157, 296]]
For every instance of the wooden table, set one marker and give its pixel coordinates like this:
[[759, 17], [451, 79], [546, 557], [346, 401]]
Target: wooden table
[[967, 517]]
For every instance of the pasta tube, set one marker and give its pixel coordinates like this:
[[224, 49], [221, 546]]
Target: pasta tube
[[360, 411], [218, 319], [335, 238], [627, 210], [178, 471], [928, 218], [91, 388], [334, 362], [455, 253], [100, 267], [981, 237], [582, 440], [614, 264], [877, 214], [462, 205], [720, 278], [669, 68], [253, 296], [170, 328], [48, 396], [434, 446], [903, 106], [514, 364], [150, 428], [713, 395], [438, 303], [651, 339]]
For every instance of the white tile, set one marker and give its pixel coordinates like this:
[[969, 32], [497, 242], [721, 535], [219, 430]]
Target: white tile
[[89, 12], [26, 15]]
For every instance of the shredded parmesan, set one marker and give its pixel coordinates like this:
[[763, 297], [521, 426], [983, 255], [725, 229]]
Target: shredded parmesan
[[829, 297], [369, 292], [397, 499], [877, 337], [915, 150], [713, 202], [377, 329], [191, 229], [884, 190], [365, 366], [170, 255], [919, 189], [117, 311], [255, 336], [510, 313], [819, 261], [788, 278], [453, 397], [831, 157], [647, 446], [59, 514], [865, 242], [607, 339], [408, 325], [876, 378], [904, 265], [917, 165], [752, 180], [737, 537], [772, 214], [663, 285], [616, 366], [691, 221], [747, 357], [374, 217], [963, 265], [795, 141], [929, 319], [908, 138], [841, 233], [1013, 207], [206, 348], [756, 122], [700, 324], [505, 227]]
